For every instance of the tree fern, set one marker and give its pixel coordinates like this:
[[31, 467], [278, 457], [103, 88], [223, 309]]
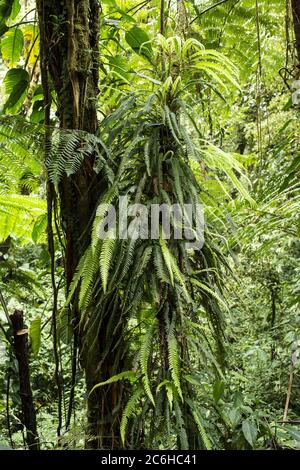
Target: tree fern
[[18, 215]]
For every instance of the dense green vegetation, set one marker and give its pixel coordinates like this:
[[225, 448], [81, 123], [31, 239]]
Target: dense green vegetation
[[140, 342]]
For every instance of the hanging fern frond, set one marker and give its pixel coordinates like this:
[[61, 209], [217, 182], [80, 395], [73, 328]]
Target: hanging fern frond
[[128, 374], [203, 434], [145, 352], [180, 425], [167, 258], [129, 410], [173, 355], [153, 145], [106, 255]]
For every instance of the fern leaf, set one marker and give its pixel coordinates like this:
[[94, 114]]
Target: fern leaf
[[76, 278], [173, 356], [145, 353], [128, 374], [130, 408], [169, 389], [209, 291], [167, 258], [184, 444], [106, 256], [204, 436]]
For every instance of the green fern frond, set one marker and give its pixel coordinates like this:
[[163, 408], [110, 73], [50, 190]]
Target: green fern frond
[[203, 434], [129, 410], [106, 256], [167, 256], [79, 273], [160, 266], [169, 389], [89, 271], [143, 261], [173, 356], [170, 125], [206, 289], [180, 427], [145, 352], [18, 215], [128, 375]]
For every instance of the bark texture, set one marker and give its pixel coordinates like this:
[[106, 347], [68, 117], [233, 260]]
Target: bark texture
[[296, 20], [21, 351], [69, 45]]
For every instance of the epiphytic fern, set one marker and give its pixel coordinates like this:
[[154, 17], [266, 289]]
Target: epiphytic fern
[[145, 355], [145, 281]]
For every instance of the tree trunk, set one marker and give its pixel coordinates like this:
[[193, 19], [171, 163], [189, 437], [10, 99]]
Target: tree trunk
[[296, 21], [69, 44], [21, 351]]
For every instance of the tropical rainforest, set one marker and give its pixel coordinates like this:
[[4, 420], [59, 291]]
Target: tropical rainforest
[[149, 342]]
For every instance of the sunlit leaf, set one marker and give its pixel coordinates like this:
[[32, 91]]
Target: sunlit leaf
[[12, 46]]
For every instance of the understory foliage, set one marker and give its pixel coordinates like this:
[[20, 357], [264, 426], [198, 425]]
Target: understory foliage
[[210, 332]]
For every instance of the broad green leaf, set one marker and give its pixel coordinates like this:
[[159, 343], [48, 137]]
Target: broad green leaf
[[31, 44], [6, 7], [3, 28], [194, 379], [38, 112], [234, 417], [294, 433], [13, 77], [125, 16], [16, 83], [152, 80], [12, 45], [39, 228], [250, 432], [119, 67], [35, 335], [218, 390], [16, 7], [139, 41]]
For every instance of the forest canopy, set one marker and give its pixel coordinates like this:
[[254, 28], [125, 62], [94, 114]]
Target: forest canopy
[[149, 224]]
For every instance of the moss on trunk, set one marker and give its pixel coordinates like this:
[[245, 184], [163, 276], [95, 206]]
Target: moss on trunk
[[70, 41]]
